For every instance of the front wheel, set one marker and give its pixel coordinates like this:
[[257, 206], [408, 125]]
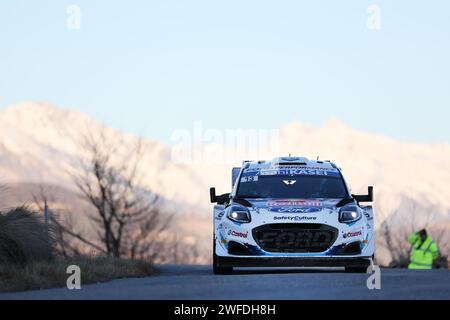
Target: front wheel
[[222, 270], [216, 268]]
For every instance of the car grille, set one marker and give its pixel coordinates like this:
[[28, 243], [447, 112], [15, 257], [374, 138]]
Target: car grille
[[295, 237]]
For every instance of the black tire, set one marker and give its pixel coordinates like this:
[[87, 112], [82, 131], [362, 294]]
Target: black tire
[[356, 269], [222, 270], [216, 269]]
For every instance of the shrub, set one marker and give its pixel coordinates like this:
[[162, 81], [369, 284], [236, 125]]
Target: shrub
[[23, 237]]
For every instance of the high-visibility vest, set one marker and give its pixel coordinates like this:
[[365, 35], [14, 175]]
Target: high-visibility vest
[[423, 252]]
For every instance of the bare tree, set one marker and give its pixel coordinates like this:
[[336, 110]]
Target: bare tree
[[177, 249], [125, 216], [3, 193], [61, 222]]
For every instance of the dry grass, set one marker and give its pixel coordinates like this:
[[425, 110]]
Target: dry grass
[[48, 274], [28, 260], [23, 237]]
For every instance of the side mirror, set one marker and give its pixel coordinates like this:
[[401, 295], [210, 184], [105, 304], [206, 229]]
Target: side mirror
[[365, 198], [212, 195], [221, 199]]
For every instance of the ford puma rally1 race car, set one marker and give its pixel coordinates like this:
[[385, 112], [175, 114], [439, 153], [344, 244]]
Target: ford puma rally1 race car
[[291, 212]]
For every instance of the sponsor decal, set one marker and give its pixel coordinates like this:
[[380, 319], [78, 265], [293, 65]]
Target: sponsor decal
[[249, 179], [291, 170], [299, 172], [294, 203], [294, 209], [352, 234], [299, 167], [238, 234], [295, 218], [294, 206]]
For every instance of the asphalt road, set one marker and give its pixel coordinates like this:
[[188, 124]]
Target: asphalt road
[[198, 283]]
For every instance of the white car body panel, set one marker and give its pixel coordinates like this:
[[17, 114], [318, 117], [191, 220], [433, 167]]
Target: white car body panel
[[292, 211]]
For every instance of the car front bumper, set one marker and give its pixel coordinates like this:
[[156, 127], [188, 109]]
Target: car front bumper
[[293, 262]]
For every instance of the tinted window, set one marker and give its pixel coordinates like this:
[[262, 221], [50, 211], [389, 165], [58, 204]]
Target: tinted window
[[294, 187]]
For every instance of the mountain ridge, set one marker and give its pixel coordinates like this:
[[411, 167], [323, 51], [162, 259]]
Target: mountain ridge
[[37, 145]]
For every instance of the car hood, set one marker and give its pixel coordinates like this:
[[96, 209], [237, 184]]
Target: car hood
[[293, 205]]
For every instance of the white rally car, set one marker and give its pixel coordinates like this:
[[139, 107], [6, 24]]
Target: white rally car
[[292, 212]]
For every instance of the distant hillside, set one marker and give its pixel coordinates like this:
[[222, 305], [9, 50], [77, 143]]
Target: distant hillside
[[38, 144]]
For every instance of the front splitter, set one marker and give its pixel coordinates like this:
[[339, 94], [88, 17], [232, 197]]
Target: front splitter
[[293, 262]]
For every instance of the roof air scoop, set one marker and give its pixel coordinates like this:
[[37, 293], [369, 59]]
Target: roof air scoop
[[291, 161]]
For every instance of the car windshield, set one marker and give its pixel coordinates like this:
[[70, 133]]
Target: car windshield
[[292, 187]]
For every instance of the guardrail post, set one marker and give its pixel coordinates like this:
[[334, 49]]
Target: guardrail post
[[46, 216]]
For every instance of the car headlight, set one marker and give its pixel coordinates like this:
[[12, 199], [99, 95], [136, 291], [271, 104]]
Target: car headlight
[[239, 214], [349, 214]]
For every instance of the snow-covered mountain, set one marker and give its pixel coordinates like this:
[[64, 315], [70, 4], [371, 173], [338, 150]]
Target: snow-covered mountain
[[38, 144], [412, 178]]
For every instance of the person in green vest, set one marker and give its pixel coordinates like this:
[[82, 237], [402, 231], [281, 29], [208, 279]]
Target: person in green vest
[[424, 250]]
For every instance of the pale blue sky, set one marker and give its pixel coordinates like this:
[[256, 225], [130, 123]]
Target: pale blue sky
[[150, 67]]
